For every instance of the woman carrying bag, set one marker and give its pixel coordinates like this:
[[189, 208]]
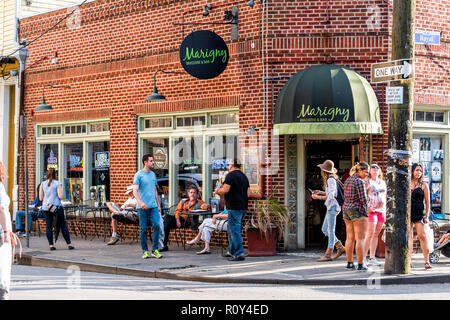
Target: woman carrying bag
[[329, 178], [50, 194], [420, 193]]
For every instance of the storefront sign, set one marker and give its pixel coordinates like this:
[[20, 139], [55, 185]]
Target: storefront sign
[[76, 163], [160, 157], [309, 113], [101, 160], [394, 95], [219, 164], [204, 54], [52, 161]]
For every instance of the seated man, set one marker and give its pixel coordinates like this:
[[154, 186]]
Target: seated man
[[185, 205], [33, 214], [114, 209], [218, 222]]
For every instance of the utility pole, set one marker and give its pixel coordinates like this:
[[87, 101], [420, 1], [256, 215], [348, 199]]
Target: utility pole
[[399, 147]]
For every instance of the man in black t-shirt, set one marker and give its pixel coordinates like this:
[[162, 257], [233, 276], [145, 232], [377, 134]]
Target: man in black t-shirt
[[236, 189]]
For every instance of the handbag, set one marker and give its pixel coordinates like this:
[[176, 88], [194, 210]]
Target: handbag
[[430, 237]]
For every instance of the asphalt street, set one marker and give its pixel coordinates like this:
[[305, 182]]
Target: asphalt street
[[32, 283]]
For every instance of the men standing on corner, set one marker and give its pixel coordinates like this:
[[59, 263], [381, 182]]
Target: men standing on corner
[[146, 193], [236, 189]]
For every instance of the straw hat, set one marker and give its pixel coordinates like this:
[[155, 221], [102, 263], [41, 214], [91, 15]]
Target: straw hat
[[129, 189], [327, 166]]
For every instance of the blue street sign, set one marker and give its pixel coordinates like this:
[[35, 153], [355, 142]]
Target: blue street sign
[[427, 37]]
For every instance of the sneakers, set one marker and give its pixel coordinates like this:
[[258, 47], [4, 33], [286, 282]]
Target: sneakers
[[156, 254], [374, 262], [112, 241], [361, 267], [21, 234], [350, 266], [227, 255]]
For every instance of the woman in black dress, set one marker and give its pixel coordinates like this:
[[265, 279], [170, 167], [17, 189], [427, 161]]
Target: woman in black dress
[[419, 217]]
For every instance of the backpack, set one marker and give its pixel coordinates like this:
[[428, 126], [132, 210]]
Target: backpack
[[340, 192]]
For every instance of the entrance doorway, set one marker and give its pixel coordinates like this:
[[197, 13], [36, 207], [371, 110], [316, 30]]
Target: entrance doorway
[[344, 153]]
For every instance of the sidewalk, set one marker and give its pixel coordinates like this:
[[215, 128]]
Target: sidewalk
[[299, 267]]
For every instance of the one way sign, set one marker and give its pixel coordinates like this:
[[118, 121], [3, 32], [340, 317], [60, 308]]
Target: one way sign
[[392, 71]]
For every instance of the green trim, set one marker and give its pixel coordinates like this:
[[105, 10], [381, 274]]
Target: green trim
[[328, 128]]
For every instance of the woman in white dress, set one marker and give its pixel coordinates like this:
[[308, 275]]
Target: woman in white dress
[[5, 248]]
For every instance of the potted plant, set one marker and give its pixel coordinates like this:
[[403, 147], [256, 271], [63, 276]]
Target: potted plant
[[266, 226]]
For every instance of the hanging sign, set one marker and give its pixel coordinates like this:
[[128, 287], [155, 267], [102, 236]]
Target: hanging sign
[[160, 157], [101, 160], [204, 54]]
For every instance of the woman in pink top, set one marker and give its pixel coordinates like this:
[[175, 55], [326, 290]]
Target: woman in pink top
[[377, 211]]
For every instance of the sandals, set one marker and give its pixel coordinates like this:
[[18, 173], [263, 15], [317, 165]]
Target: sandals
[[427, 266], [191, 242], [204, 251]]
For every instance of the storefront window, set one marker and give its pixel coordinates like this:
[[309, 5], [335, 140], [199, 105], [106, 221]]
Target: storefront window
[[188, 157], [223, 150], [73, 175], [428, 151], [159, 149], [99, 188], [50, 159]]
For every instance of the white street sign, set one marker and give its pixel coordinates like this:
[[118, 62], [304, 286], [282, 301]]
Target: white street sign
[[392, 71], [394, 95]]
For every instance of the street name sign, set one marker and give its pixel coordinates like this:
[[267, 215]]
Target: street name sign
[[392, 71], [394, 95], [427, 37]]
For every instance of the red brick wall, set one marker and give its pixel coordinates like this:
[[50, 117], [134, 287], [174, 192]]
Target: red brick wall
[[110, 60]]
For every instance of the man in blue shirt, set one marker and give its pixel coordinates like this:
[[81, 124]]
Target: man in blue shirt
[[146, 193]]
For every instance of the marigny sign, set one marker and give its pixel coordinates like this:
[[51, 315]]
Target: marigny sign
[[392, 70]]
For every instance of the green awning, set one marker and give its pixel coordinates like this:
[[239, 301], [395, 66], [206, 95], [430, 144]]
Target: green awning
[[327, 99]]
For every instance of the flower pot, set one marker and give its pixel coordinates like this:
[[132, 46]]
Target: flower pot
[[259, 245], [381, 247]]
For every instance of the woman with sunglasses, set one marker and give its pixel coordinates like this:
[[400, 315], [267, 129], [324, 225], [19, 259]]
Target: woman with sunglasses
[[420, 194], [377, 211]]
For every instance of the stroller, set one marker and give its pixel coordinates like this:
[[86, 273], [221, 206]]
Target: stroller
[[443, 248]]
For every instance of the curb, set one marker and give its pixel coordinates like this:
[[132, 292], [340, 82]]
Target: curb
[[28, 260]]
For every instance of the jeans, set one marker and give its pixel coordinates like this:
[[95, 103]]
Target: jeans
[[235, 246], [154, 215], [329, 227], [60, 225], [21, 215]]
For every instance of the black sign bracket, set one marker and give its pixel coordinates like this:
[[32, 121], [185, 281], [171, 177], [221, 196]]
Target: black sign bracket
[[229, 15]]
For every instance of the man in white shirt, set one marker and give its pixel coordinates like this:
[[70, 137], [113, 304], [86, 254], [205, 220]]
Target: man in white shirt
[[114, 209]]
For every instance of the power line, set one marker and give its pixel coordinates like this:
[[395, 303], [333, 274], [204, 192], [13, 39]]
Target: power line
[[48, 30]]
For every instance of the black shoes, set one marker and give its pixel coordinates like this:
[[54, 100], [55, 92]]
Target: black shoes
[[71, 248], [165, 248], [237, 258]]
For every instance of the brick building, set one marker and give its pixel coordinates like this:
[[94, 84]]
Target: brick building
[[108, 54]]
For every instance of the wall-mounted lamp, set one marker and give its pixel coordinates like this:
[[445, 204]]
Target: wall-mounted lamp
[[206, 10], [155, 95], [251, 3], [251, 130], [44, 105]]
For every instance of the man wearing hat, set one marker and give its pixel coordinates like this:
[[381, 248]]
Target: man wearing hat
[[114, 208]]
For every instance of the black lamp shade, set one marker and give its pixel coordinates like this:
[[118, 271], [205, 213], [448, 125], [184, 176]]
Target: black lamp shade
[[44, 106], [155, 95]]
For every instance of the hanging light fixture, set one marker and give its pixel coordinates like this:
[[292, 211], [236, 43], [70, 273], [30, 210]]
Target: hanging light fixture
[[44, 106], [155, 96]]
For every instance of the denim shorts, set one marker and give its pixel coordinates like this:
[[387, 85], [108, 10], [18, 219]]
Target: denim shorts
[[352, 214]]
